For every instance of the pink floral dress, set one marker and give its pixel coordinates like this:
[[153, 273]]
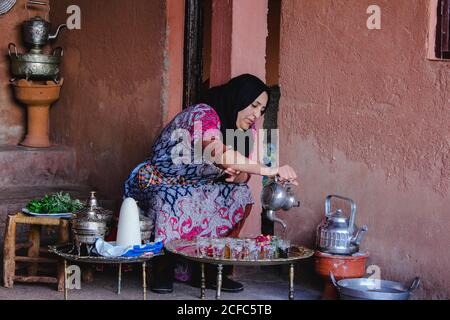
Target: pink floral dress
[[187, 200]]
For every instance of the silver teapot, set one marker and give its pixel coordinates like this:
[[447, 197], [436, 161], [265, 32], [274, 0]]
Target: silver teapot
[[338, 234], [36, 31], [276, 196], [90, 223]]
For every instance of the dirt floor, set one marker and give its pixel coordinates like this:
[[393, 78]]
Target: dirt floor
[[268, 283]]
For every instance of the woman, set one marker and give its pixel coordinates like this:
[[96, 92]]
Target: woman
[[208, 198]]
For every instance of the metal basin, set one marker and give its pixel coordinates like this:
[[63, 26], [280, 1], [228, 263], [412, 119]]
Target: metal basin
[[35, 66], [373, 289], [88, 231]]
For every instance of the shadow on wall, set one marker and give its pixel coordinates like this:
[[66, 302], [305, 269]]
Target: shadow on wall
[[110, 109]]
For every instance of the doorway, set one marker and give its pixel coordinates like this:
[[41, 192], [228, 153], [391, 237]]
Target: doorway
[[197, 63], [272, 80]]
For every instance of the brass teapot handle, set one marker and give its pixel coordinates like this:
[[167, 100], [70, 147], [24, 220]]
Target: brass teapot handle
[[41, 3], [353, 208]]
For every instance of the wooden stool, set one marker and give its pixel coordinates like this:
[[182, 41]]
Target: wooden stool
[[33, 246]]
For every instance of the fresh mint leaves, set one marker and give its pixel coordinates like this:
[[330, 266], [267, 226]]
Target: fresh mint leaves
[[56, 203]]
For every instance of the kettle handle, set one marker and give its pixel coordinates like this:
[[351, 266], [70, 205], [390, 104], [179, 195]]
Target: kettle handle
[[60, 50], [41, 3], [333, 280], [276, 179], [415, 284], [15, 49], [353, 208]]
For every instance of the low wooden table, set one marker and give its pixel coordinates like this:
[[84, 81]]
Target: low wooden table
[[187, 249], [64, 252]]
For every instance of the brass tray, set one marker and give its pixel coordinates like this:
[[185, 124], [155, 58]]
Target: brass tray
[[64, 251], [187, 249]]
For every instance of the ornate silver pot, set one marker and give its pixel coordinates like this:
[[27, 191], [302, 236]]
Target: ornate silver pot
[[36, 31], [35, 66]]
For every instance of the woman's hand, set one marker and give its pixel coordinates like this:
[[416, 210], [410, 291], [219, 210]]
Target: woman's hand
[[235, 176], [285, 174], [232, 172]]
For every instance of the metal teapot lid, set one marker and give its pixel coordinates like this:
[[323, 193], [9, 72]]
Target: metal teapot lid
[[88, 213], [92, 212], [338, 216], [93, 200], [37, 18]]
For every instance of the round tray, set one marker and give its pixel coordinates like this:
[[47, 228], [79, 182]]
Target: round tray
[[187, 249], [64, 252], [67, 215]]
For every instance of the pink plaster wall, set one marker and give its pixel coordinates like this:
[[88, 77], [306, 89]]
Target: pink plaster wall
[[173, 60], [12, 115], [112, 104], [364, 114], [221, 32]]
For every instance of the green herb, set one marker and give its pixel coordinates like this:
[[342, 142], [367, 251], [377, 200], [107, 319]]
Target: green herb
[[56, 203]]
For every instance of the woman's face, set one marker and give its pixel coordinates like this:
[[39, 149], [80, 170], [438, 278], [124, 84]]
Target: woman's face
[[247, 117]]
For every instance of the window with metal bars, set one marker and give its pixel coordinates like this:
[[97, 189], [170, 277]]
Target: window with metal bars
[[442, 45]]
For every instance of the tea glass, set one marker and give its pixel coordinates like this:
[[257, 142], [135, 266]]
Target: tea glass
[[269, 251], [284, 248], [202, 247], [236, 249], [218, 248], [251, 250]]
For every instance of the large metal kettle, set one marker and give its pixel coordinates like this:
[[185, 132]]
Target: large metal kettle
[[276, 196], [36, 31], [337, 233]]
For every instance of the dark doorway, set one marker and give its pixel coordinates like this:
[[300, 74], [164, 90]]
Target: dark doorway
[[193, 55], [197, 50], [272, 79]]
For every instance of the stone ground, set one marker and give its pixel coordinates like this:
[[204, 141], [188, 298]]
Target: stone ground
[[268, 283]]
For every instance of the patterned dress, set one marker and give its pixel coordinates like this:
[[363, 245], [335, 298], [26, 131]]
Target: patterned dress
[[187, 200]]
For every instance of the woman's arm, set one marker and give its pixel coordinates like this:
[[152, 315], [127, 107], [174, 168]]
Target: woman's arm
[[237, 176], [227, 158]]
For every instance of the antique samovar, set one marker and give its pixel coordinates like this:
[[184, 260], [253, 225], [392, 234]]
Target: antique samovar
[[35, 65]]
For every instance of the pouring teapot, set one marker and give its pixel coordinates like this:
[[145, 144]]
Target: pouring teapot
[[276, 196], [337, 234], [36, 31]]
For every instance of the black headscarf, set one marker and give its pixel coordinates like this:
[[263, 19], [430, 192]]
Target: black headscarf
[[236, 95]]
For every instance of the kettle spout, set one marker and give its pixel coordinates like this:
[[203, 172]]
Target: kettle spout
[[54, 36], [270, 214], [359, 235]]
